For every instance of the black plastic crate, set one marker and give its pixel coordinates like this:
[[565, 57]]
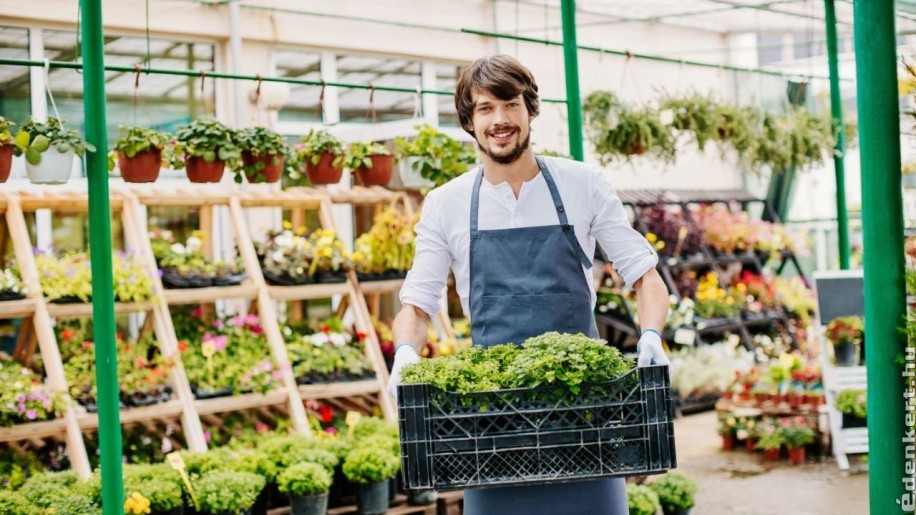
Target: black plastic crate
[[452, 441]]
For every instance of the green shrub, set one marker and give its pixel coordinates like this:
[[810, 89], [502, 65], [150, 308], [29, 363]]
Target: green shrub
[[76, 505], [642, 500], [256, 462], [304, 479], [14, 503], [372, 426], [228, 491], [368, 465], [283, 449], [44, 490], [321, 457], [853, 402], [676, 491]]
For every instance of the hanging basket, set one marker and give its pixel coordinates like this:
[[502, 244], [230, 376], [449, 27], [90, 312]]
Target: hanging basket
[[323, 172], [410, 176], [6, 162], [143, 167], [379, 174], [54, 168], [272, 169], [201, 172]]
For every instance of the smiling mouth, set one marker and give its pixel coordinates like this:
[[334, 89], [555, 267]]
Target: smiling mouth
[[502, 135]]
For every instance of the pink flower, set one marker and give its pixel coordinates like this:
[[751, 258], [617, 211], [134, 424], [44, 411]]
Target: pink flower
[[331, 431], [31, 415], [197, 313], [261, 427], [237, 321], [266, 366], [219, 342], [207, 435], [256, 329], [218, 323], [47, 404], [252, 319], [278, 375]]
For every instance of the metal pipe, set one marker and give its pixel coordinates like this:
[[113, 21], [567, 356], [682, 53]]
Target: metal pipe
[[882, 227], [836, 109], [648, 57], [103, 319], [571, 65]]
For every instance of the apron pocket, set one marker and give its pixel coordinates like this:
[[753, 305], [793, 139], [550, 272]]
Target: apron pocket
[[515, 318]]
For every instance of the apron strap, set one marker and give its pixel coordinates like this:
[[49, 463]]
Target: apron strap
[[568, 231], [475, 203]]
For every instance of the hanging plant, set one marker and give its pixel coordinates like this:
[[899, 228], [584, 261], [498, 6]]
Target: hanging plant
[[694, 114], [433, 155], [140, 153], [208, 147], [35, 139], [620, 131], [263, 155], [371, 163], [7, 147], [323, 155], [737, 126]]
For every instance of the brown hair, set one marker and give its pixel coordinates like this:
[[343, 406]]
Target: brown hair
[[501, 76]]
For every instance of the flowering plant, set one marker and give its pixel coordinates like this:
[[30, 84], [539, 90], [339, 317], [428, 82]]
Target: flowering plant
[[673, 234], [387, 246], [761, 294], [24, 398], [770, 436], [796, 432], [290, 257], [69, 277], [326, 351], [724, 231], [715, 302], [11, 282], [727, 425], [795, 297], [187, 260], [845, 330], [132, 282]]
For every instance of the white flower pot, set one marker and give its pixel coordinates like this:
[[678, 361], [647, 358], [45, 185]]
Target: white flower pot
[[411, 178], [55, 167]]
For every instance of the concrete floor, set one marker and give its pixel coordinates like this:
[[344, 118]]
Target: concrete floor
[[738, 482]]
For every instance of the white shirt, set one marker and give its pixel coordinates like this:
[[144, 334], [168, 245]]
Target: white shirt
[[592, 206]]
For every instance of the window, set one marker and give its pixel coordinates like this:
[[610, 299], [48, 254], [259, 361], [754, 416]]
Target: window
[[303, 105], [769, 48], [447, 80], [380, 71], [14, 80]]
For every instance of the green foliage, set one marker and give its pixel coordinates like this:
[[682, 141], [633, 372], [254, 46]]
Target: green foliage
[[24, 398], [16, 467], [796, 432], [70, 275], [621, 131], [13, 503], [35, 138], [853, 402], [694, 114], [319, 142], [368, 427], [228, 491], [770, 436], [283, 450], [438, 157], [304, 479], [209, 139], [369, 464], [549, 359], [135, 140], [45, 490], [256, 462], [6, 134], [642, 500], [75, 505], [676, 491], [387, 245], [358, 155], [260, 141]]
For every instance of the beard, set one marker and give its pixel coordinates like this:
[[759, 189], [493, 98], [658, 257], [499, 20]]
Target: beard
[[513, 155]]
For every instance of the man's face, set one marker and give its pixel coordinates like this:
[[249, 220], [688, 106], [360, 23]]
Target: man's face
[[502, 127]]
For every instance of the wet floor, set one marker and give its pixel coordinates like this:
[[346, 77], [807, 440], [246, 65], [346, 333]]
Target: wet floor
[[738, 482]]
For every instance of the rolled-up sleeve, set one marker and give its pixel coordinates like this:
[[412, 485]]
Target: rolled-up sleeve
[[628, 250], [426, 278]]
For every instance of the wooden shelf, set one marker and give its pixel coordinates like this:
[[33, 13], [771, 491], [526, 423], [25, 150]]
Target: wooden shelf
[[163, 410], [34, 430], [308, 291], [17, 308], [177, 296], [381, 286], [240, 402], [339, 389], [84, 309]]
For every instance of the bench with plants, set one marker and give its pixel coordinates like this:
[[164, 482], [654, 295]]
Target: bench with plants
[[326, 352], [558, 407], [184, 265], [294, 257]]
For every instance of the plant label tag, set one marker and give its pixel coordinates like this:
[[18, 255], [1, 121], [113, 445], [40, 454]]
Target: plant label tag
[[175, 461], [352, 418], [685, 336]]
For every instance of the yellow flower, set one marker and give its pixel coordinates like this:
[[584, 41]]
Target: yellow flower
[[741, 287], [301, 230], [651, 237], [660, 245], [287, 224], [357, 256], [136, 504]]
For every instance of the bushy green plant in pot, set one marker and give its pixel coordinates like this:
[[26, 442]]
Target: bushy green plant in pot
[[694, 114], [140, 153], [13, 503], [208, 147], [618, 130], [432, 158], [797, 434], [641, 500], [323, 155], [676, 493], [6, 148], [263, 154], [370, 162], [307, 486], [846, 334], [770, 439], [371, 468], [228, 492], [852, 404], [49, 149]]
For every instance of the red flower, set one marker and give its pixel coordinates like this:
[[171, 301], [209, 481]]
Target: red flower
[[119, 337], [182, 346], [325, 329], [256, 329], [68, 334], [325, 413], [361, 335]]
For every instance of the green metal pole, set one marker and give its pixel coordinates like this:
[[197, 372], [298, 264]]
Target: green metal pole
[[103, 320], [882, 220], [836, 109], [573, 100]]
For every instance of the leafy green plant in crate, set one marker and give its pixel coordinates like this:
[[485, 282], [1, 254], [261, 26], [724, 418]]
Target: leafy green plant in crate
[[435, 155], [617, 130], [641, 500]]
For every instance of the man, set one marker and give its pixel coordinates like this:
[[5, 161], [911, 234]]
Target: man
[[518, 233]]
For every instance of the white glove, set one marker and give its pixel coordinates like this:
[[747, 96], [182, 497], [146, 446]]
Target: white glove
[[403, 356], [650, 350]]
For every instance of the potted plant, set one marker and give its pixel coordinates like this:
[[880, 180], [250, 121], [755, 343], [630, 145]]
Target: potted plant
[[140, 153], [737, 126], [263, 154], [621, 131], [371, 163], [727, 431], [228, 492], [770, 439], [676, 493], [432, 158], [64, 279], [852, 404], [695, 114], [307, 486], [323, 155], [11, 287], [184, 265], [24, 397], [642, 500], [371, 468], [797, 435], [7, 147], [132, 281], [386, 250], [847, 334], [35, 139], [208, 147]]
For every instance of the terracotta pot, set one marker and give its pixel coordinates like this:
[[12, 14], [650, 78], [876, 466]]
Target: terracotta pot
[[323, 172], [636, 149], [727, 396], [271, 171], [797, 455], [200, 171], [379, 174], [728, 443], [762, 397], [750, 445], [794, 400], [143, 167], [744, 396], [6, 162], [771, 455]]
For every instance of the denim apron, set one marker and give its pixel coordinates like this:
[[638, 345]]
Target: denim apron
[[524, 282]]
